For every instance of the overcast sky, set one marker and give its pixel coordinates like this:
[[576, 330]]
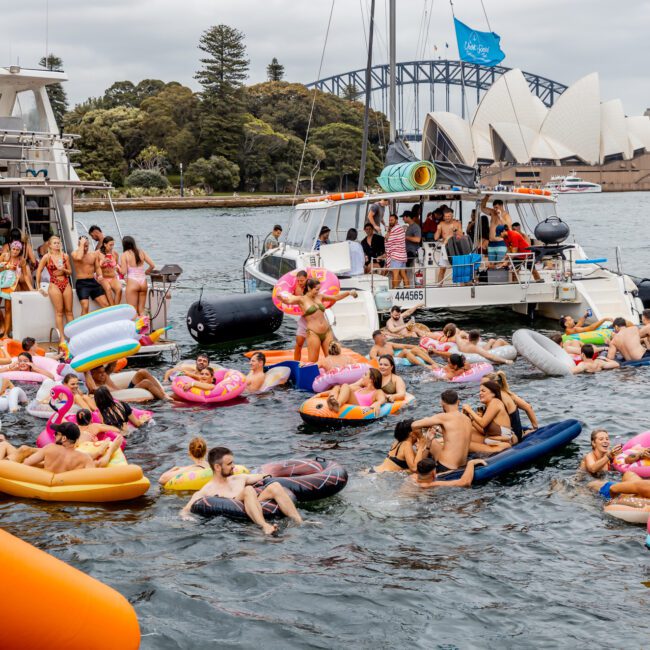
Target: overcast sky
[[105, 41]]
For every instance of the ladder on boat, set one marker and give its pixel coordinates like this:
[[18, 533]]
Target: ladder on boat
[[52, 223]]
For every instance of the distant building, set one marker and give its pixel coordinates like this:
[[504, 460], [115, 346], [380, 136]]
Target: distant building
[[511, 125]]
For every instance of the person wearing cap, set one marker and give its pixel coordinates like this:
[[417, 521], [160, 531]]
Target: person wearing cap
[[323, 238], [272, 239], [520, 249], [61, 456]]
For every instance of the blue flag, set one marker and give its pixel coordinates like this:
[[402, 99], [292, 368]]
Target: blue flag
[[478, 47]]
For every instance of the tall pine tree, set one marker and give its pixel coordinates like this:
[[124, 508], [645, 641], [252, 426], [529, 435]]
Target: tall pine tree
[[274, 71], [225, 67], [58, 96]]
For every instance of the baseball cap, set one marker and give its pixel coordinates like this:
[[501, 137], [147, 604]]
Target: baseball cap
[[500, 229], [68, 429]]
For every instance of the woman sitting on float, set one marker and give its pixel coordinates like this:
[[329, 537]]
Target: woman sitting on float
[[117, 414], [513, 403], [24, 363], [492, 426], [408, 449], [197, 451], [319, 332], [365, 392], [392, 384]]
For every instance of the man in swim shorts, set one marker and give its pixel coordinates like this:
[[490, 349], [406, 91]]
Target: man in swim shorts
[[86, 266], [414, 353], [471, 345], [61, 456], [630, 484], [497, 247], [397, 328], [227, 485], [447, 229], [425, 477], [452, 452], [101, 376], [626, 342], [591, 363], [570, 326]]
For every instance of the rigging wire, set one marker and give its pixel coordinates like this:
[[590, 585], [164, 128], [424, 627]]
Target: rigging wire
[[313, 103]]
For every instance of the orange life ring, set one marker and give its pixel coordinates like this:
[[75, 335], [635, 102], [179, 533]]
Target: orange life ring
[[340, 196]]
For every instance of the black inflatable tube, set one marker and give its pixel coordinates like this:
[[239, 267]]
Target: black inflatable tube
[[304, 479], [231, 317]]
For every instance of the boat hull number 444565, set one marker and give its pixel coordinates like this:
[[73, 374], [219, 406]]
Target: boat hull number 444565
[[406, 297]]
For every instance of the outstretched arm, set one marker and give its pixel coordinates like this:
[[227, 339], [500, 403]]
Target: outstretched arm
[[526, 408], [468, 475]]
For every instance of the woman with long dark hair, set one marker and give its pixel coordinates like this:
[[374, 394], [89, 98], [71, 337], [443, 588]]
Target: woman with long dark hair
[[114, 413], [132, 267]]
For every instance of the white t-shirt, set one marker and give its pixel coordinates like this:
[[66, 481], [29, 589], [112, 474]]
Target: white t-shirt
[[357, 258]]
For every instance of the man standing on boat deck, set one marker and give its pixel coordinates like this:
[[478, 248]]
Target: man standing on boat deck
[[97, 236], [86, 266], [497, 248], [272, 239], [376, 215], [413, 239], [447, 228], [626, 341]]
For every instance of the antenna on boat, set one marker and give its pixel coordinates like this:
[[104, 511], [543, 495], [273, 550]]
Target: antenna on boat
[[366, 108], [47, 30], [392, 70]]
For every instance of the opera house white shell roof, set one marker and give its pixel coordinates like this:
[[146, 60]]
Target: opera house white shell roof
[[513, 125]]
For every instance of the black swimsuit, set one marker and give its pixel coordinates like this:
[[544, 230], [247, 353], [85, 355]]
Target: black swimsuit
[[515, 424], [400, 462]]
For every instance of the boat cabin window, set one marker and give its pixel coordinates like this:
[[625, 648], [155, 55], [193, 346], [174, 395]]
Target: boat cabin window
[[349, 216], [294, 234], [276, 265], [25, 107]]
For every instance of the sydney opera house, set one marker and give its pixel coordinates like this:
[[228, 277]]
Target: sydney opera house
[[517, 140]]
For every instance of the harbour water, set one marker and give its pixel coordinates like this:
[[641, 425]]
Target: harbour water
[[526, 561]]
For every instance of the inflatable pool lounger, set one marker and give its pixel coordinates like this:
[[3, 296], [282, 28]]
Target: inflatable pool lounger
[[546, 440]]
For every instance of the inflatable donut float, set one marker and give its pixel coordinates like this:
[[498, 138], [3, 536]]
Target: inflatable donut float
[[228, 385], [286, 285], [305, 480], [601, 336], [543, 353], [315, 411], [337, 376], [473, 374], [640, 467], [191, 480]]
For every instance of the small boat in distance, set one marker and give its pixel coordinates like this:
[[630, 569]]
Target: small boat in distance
[[572, 184]]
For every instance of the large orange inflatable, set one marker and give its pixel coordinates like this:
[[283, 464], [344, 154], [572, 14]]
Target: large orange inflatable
[[46, 603], [277, 356]]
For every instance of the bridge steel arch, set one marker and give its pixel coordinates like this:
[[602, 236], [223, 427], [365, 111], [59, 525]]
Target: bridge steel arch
[[468, 77]]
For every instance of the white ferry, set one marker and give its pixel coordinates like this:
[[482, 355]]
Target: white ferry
[[37, 185], [570, 282], [572, 185]]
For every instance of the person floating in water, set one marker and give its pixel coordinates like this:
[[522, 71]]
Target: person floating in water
[[227, 485], [599, 459], [591, 363], [425, 476]]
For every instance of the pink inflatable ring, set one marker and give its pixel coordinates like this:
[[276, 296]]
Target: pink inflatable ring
[[640, 467], [475, 373], [345, 375], [229, 384], [286, 285], [432, 342]]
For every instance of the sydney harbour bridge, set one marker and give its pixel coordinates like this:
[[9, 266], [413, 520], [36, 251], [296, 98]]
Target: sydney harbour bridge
[[424, 86]]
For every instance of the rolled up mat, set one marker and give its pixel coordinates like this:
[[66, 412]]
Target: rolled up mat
[[405, 177]]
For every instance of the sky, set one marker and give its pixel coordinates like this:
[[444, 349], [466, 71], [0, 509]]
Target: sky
[[105, 41]]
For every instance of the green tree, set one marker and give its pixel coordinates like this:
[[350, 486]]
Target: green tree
[[351, 92], [146, 178], [225, 67], [274, 71], [148, 88], [56, 93], [152, 158], [342, 146], [213, 174], [101, 151], [121, 93]]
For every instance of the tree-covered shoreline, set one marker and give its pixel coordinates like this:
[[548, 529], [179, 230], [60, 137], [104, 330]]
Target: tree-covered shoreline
[[228, 136]]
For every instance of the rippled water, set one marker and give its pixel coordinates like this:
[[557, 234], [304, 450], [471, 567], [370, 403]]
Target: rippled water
[[527, 561]]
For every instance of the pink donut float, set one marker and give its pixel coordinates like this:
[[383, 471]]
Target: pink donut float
[[286, 285], [345, 375], [229, 384], [640, 467], [433, 343], [475, 373]]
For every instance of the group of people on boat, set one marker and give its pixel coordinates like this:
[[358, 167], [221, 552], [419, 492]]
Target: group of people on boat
[[99, 273]]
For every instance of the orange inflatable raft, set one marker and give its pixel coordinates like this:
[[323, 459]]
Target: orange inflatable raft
[[94, 485], [278, 356], [100, 617]]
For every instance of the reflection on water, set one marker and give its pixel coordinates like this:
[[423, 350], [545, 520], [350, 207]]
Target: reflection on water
[[526, 561]]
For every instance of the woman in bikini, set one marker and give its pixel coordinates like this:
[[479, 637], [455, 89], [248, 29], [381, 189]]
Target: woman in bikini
[[365, 392], [132, 267], [392, 384], [13, 269], [197, 451], [81, 400], [513, 404], [109, 262], [406, 452], [116, 414], [493, 426], [319, 332], [600, 458], [27, 253], [59, 289]]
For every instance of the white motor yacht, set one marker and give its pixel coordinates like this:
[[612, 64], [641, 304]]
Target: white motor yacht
[[570, 282], [572, 185], [37, 185]]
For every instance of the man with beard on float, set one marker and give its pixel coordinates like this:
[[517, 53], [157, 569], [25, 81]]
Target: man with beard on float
[[227, 485], [202, 362]]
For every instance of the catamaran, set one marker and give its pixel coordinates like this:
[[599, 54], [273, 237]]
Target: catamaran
[[37, 184], [572, 185]]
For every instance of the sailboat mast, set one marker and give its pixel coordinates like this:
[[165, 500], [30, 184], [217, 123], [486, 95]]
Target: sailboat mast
[[366, 110], [392, 76]]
